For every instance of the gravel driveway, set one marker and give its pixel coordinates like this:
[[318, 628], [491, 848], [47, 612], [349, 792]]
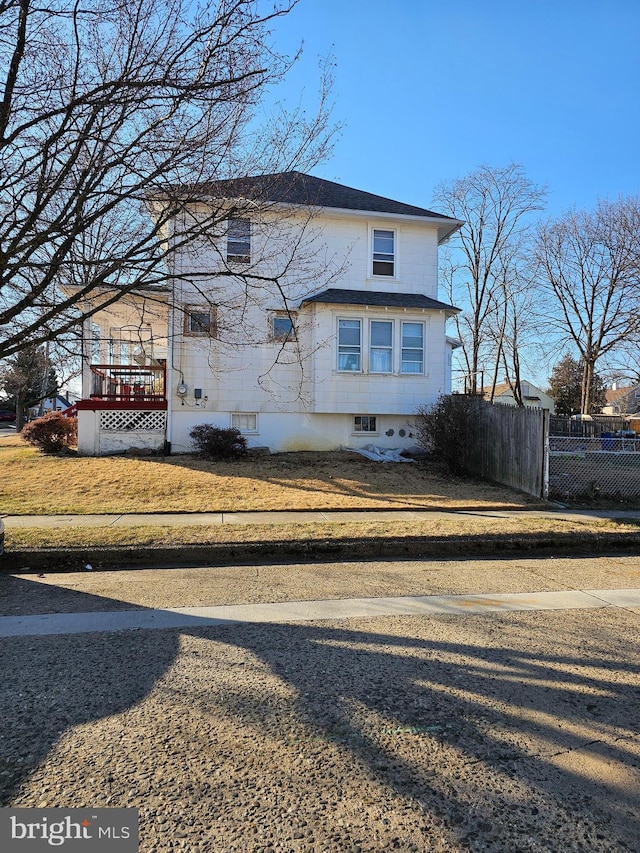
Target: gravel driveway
[[500, 732]]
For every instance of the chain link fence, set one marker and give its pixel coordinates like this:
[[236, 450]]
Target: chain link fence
[[595, 466]]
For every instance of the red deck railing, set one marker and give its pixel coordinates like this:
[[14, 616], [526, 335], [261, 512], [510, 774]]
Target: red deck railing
[[128, 383]]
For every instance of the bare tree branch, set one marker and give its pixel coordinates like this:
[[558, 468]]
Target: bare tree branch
[[495, 204], [589, 264], [112, 114]]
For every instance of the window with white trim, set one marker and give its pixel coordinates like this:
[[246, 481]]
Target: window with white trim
[[282, 328], [200, 321], [412, 358], [350, 345], [245, 421], [239, 241], [380, 346], [383, 252], [364, 423]]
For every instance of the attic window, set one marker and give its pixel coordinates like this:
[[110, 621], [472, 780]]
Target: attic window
[[239, 241]]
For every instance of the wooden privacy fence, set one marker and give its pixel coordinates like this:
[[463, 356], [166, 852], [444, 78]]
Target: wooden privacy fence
[[510, 445]]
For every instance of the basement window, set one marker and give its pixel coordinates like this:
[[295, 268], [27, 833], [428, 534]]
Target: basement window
[[365, 423], [245, 421]]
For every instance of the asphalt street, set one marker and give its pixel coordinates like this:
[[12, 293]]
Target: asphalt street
[[419, 705]]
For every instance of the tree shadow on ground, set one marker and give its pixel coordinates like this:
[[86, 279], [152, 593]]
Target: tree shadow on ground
[[492, 733], [350, 476]]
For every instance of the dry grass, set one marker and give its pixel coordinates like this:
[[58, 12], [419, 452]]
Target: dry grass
[[35, 484], [158, 536]]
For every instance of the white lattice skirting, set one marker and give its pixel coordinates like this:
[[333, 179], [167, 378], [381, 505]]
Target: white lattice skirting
[[132, 420]]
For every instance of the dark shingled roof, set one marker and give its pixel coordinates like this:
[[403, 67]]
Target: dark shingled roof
[[298, 188], [337, 296]]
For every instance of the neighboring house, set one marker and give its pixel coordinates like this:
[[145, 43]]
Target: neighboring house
[[341, 350], [532, 396], [622, 401], [51, 404]]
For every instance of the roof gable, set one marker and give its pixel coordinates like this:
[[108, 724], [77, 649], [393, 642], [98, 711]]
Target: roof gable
[[612, 395]]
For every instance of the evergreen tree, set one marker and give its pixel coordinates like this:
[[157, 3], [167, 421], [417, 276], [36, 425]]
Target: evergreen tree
[[26, 379], [565, 387]]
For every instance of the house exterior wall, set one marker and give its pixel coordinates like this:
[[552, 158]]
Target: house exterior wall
[[506, 398], [300, 396], [297, 431], [111, 335], [294, 392], [625, 402]]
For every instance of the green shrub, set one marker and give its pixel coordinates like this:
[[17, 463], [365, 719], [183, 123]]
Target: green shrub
[[215, 442], [444, 430], [51, 433]]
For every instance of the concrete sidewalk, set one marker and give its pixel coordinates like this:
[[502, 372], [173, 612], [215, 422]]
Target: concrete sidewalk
[[307, 611], [299, 517]]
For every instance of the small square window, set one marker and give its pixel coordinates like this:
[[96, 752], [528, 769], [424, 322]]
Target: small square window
[[364, 423], [245, 421], [239, 241], [200, 321], [282, 328]]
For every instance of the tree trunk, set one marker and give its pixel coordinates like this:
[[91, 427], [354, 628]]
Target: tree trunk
[[587, 384], [20, 403]]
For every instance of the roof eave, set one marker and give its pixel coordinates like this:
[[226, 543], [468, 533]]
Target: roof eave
[[446, 225]]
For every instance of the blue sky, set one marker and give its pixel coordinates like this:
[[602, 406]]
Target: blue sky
[[427, 91]]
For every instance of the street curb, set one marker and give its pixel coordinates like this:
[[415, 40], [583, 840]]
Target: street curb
[[319, 550]]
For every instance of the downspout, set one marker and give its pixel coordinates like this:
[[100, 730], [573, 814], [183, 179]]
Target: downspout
[[168, 379]]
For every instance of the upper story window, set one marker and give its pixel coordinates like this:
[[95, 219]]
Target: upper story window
[[383, 252], [200, 321], [412, 348], [282, 328], [381, 346], [239, 241], [349, 345]]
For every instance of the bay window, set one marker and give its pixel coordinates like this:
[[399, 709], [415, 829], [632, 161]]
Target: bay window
[[412, 360], [349, 345], [381, 346]]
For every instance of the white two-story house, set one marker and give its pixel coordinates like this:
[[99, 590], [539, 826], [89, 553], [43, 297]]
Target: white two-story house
[[308, 319]]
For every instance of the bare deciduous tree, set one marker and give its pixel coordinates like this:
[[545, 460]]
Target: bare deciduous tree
[[110, 109], [478, 271], [590, 265]]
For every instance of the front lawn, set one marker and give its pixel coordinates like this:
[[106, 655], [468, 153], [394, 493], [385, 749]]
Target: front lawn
[[34, 484]]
